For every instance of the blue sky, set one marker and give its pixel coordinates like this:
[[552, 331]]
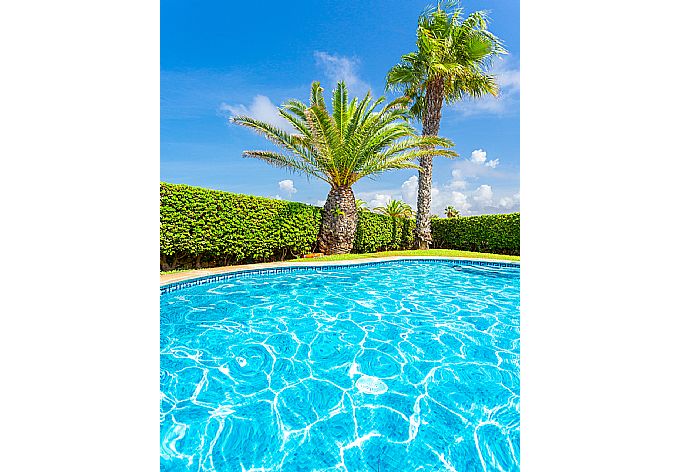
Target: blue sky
[[220, 58]]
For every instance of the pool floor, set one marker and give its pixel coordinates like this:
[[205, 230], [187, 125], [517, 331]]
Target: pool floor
[[391, 366]]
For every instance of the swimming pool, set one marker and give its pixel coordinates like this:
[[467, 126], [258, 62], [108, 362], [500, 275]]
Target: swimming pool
[[390, 366]]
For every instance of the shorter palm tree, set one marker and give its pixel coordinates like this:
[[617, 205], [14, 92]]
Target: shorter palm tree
[[361, 205], [451, 212], [397, 209], [341, 147]]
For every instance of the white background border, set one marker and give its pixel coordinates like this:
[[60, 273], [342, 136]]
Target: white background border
[[604, 234]]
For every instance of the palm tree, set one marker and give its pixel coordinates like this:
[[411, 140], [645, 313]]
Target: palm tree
[[453, 54], [361, 205], [452, 212], [340, 148], [397, 209]]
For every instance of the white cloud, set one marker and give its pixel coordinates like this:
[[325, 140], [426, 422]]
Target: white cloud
[[453, 192], [343, 68], [457, 180], [476, 167], [480, 201], [478, 156], [459, 201], [409, 190], [510, 203], [287, 186], [445, 198], [380, 200], [261, 109], [483, 194], [439, 197], [508, 100]]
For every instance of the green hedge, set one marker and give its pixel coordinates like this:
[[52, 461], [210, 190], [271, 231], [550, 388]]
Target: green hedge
[[379, 232], [498, 234], [206, 228], [203, 228]]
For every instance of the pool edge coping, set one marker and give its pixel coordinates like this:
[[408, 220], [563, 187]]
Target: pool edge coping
[[220, 271]]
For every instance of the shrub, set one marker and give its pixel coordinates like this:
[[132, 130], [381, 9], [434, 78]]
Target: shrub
[[380, 232], [206, 228], [202, 228], [499, 234]]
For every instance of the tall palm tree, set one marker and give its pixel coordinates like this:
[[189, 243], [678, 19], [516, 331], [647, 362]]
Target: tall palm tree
[[396, 208], [340, 148], [452, 57]]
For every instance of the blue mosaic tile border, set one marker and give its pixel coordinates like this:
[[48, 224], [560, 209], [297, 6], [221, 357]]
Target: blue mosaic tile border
[[174, 286]]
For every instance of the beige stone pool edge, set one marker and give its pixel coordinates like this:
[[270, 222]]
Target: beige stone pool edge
[[192, 274]]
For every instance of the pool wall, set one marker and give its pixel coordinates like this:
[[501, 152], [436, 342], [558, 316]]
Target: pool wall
[[335, 265]]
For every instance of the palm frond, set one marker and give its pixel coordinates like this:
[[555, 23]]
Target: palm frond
[[340, 107], [284, 161], [297, 120], [273, 134], [326, 139], [451, 48], [316, 95], [360, 138], [474, 84]]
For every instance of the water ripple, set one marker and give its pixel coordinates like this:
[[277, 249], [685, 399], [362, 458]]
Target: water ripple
[[386, 367]]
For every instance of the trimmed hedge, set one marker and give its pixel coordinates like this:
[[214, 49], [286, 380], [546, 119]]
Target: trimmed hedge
[[498, 234], [379, 232], [205, 228]]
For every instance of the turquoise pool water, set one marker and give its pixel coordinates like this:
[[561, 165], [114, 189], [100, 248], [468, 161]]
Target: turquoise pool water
[[396, 366]]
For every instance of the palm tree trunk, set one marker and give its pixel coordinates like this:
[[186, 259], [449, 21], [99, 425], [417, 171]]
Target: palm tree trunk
[[338, 222], [431, 122]]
